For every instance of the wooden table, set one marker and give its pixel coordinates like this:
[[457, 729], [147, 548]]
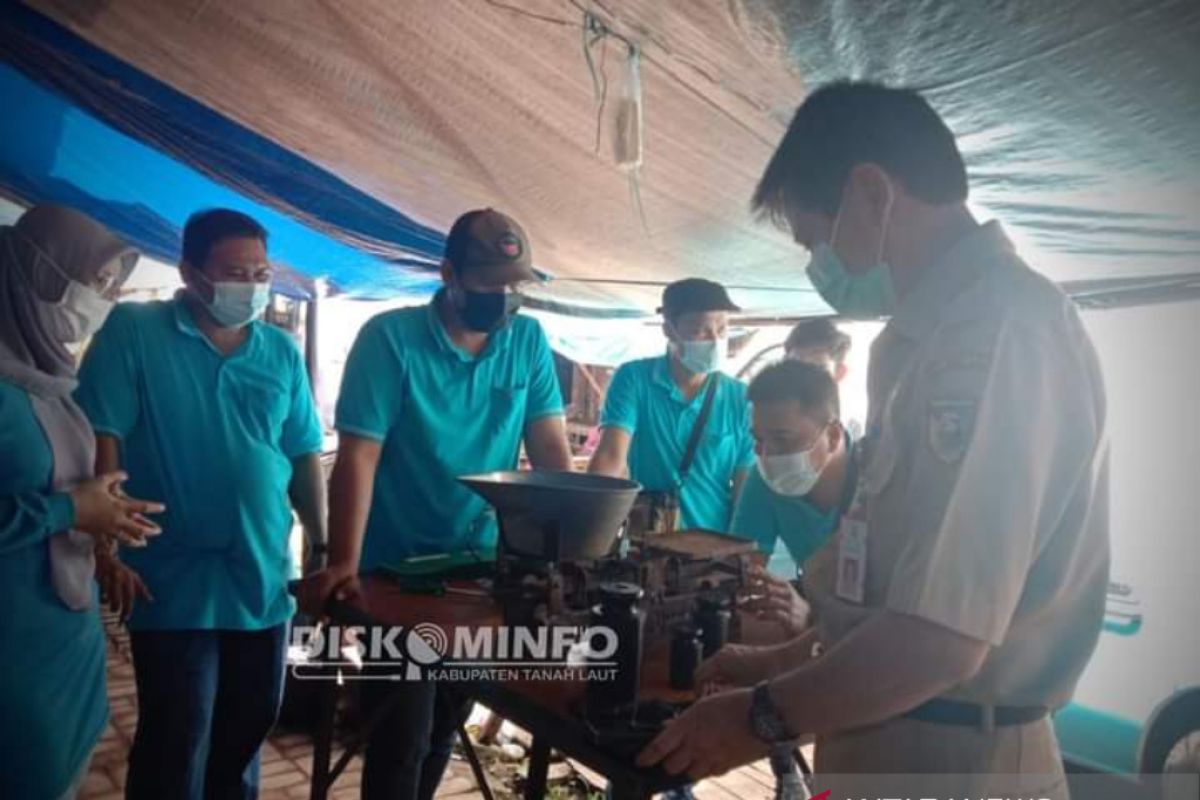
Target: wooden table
[[544, 709]]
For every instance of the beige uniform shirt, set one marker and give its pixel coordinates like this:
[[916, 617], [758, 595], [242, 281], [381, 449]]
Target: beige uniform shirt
[[984, 481]]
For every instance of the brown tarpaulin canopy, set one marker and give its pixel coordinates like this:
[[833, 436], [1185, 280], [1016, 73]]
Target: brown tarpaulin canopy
[[1076, 125]]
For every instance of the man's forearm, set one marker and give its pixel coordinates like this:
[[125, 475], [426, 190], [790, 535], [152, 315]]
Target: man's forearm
[[887, 666], [611, 453], [547, 446], [308, 495], [350, 494], [796, 652], [605, 464]]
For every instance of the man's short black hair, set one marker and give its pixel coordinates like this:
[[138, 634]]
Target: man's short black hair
[[798, 382], [819, 334], [205, 228], [841, 125]]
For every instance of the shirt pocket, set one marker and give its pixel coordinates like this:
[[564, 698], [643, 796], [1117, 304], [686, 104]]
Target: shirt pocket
[[263, 401], [507, 407], [718, 446]]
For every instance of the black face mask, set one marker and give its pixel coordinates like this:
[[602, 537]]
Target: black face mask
[[487, 312]]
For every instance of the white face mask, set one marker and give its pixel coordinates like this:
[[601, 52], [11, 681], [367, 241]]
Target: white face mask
[[235, 303], [703, 355], [79, 314], [790, 474]]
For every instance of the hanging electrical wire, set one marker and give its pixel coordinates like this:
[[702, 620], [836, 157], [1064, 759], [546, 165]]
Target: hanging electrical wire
[[595, 32], [628, 116]]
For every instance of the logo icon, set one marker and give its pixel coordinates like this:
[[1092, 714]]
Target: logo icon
[[509, 245], [427, 644]]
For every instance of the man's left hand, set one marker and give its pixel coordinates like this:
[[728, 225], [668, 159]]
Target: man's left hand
[[710, 738], [120, 586]]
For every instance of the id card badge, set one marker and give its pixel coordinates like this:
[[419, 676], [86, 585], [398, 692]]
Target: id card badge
[[852, 560]]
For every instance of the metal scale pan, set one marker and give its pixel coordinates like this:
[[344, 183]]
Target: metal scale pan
[[556, 516]]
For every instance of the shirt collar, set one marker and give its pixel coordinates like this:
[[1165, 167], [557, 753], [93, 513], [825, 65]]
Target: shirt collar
[[185, 322], [961, 266], [496, 341], [660, 374]]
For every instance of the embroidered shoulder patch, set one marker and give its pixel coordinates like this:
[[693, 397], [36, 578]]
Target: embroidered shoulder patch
[[951, 423]]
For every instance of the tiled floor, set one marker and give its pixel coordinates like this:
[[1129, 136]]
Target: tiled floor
[[287, 757]]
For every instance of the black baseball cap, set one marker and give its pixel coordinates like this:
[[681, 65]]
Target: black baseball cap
[[485, 239], [694, 295]]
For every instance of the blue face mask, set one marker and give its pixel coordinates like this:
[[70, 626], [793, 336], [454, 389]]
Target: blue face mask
[[235, 304], [702, 356], [864, 296]]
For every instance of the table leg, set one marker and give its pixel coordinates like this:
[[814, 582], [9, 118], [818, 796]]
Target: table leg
[[626, 790], [539, 767], [323, 739], [473, 759]]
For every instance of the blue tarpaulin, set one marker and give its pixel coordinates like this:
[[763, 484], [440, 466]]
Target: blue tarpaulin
[[157, 156], [56, 153]]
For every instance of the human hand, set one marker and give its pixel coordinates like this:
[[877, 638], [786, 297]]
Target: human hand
[[776, 600], [103, 510], [337, 582], [120, 586], [712, 737], [735, 665]]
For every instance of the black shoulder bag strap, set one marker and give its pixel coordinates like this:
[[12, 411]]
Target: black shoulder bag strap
[[689, 455]]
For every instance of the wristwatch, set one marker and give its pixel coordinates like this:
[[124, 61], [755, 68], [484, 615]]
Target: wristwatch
[[766, 722]]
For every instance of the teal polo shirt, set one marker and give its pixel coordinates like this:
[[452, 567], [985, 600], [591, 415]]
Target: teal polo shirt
[[440, 413], [213, 437], [788, 529], [644, 401]]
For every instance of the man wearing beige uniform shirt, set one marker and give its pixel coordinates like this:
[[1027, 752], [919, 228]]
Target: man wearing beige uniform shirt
[[963, 593]]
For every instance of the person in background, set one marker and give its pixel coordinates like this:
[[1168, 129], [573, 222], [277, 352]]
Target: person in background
[[210, 409], [819, 342], [804, 476], [653, 406], [60, 274], [429, 394], [964, 591]]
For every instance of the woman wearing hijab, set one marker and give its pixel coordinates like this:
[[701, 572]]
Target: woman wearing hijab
[[59, 275]]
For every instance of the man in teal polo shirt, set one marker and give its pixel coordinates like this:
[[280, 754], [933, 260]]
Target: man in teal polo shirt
[[429, 394], [653, 404], [804, 480], [210, 411], [776, 513]]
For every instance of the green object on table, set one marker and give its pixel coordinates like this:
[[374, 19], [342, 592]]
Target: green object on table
[[428, 574]]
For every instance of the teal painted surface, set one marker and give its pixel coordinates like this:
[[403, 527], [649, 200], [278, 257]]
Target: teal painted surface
[[1099, 740]]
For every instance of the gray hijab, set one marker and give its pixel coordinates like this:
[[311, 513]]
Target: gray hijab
[[32, 358]]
